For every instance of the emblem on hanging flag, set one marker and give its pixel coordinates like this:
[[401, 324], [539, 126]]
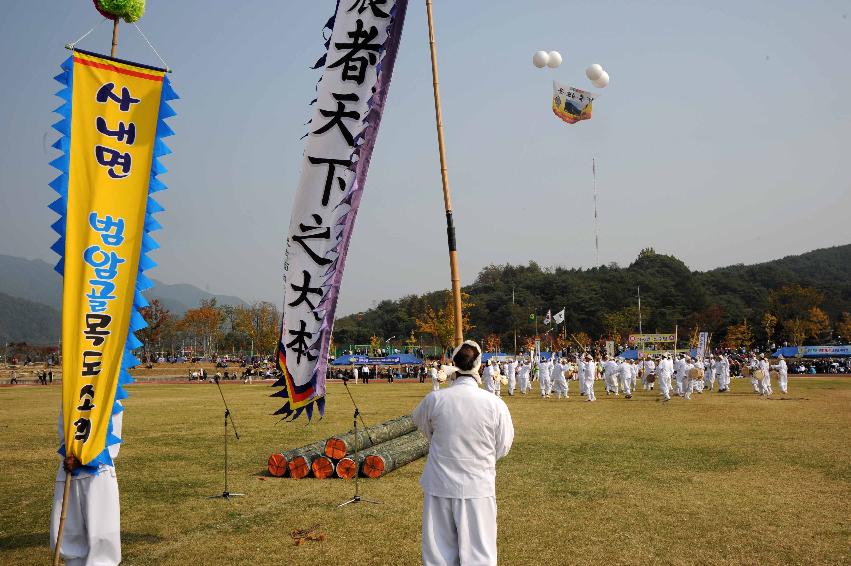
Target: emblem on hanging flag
[[351, 95], [571, 104], [111, 138]]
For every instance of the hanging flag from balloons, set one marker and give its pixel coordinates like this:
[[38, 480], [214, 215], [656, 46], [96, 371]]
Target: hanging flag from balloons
[[571, 104]]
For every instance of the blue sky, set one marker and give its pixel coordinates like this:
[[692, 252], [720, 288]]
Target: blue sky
[[724, 136]]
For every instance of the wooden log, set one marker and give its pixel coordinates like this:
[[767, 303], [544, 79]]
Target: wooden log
[[322, 467], [278, 464], [338, 447], [349, 466], [386, 457], [301, 464]]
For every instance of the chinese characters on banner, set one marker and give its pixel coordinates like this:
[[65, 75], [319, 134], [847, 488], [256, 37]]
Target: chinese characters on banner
[[571, 104], [350, 102], [111, 130]]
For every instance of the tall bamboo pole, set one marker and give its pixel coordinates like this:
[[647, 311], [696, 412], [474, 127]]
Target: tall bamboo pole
[[114, 38], [62, 515], [447, 199]]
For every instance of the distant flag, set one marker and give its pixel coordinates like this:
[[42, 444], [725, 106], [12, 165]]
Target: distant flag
[[559, 316], [571, 104], [549, 318]]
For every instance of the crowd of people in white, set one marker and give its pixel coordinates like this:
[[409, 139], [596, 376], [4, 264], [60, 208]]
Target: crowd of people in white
[[679, 375]]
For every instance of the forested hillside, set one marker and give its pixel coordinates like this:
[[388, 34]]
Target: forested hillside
[[797, 298]]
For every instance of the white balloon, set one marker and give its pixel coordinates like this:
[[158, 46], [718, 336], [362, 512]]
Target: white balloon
[[594, 72], [540, 59], [603, 81], [554, 59]]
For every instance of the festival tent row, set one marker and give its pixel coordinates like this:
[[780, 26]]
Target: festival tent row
[[814, 351], [397, 360]]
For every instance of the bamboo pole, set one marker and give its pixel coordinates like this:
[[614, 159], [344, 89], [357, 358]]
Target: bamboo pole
[[62, 515], [447, 199], [114, 37]]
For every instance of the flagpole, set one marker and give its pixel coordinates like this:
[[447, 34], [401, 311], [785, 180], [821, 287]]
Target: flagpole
[[514, 317], [596, 230], [639, 310], [114, 37], [447, 199]]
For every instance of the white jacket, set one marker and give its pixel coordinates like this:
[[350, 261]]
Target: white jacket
[[469, 430]]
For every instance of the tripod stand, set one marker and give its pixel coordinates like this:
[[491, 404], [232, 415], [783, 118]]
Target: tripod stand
[[226, 494], [356, 498]]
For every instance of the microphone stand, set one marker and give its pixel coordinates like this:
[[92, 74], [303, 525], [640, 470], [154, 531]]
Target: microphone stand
[[357, 498], [226, 494]]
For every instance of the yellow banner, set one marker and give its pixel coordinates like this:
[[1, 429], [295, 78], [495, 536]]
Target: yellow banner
[[115, 108]]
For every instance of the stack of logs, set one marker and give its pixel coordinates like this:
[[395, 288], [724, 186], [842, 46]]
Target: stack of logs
[[384, 447]]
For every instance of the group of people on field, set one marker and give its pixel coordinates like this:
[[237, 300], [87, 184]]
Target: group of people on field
[[679, 375]]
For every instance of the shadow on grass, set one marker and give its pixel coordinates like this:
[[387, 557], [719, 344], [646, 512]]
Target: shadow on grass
[[32, 540]]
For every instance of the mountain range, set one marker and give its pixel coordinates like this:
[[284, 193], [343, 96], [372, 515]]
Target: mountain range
[[31, 300]]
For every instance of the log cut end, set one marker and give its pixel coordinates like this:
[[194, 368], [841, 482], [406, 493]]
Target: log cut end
[[277, 465], [347, 468], [373, 466], [335, 448], [299, 467], [322, 467]]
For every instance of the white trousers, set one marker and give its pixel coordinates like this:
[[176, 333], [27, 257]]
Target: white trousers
[[435, 385], [543, 383], [92, 535], [512, 383], [459, 532], [625, 383], [589, 389], [784, 383], [560, 387], [664, 384]]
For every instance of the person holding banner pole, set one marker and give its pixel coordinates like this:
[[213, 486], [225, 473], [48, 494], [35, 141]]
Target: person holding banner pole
[[92, 516]]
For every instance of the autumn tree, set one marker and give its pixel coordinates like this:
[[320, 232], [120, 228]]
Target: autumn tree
[[158, 318], [204, 323], [739, 336], [817, 325], [582, 339], [259, 323], [842, 329], [375, 344], [440, 323], [620, 323], [492, 343], [769, 324]]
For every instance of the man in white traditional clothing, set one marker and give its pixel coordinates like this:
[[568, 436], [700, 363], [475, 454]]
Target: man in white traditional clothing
[[624, 377], [610, 375], [782, 374], [560, 380], [664, 371], [523, 377], [680, 373], [355, 374], [435, 384], [92, 533], [511, 373], [469, 431], [722, 371], [544, 378], [765, 385], [648, 367], [590, 374], [753, 364]]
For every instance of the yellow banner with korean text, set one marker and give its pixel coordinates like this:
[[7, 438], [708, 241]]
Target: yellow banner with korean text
[[111, 130]]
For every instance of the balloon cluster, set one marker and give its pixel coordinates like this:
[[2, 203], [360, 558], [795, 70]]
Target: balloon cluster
[[598, 77], [543, 59]]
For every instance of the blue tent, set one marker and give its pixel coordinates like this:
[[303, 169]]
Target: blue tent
[[394, 360]]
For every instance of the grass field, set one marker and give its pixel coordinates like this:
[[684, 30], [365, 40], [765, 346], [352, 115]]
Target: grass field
[[720, 479]]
